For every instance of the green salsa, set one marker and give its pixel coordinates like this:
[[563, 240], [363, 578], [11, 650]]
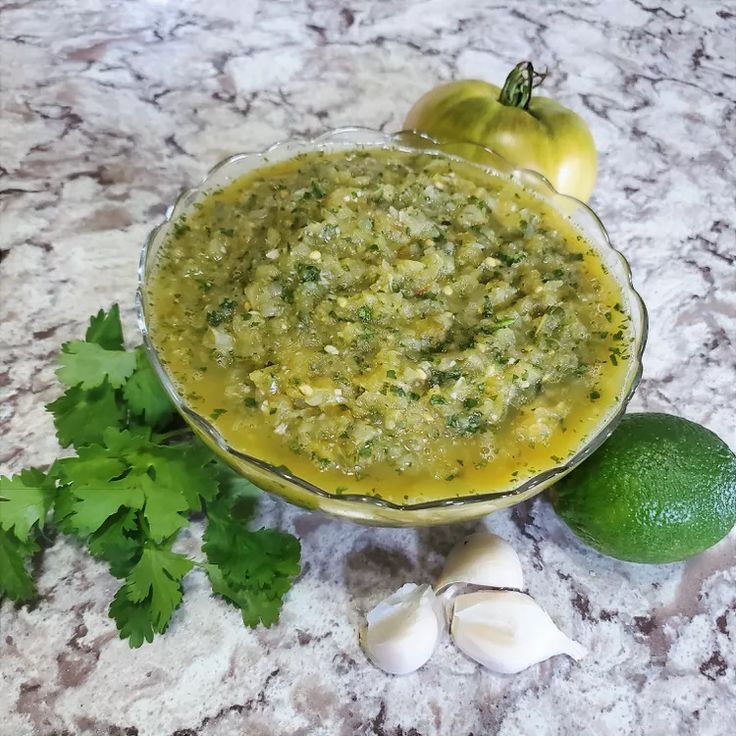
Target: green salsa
[[387, 321]]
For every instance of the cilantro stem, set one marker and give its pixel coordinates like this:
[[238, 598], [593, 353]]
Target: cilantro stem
[[173, 434]]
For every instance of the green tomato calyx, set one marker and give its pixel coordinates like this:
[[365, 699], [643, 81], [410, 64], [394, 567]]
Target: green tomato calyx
[[517, 89]]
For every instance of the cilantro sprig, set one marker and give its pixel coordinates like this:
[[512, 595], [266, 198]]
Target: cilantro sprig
[[137, 476], [25, 500], [251, 569]]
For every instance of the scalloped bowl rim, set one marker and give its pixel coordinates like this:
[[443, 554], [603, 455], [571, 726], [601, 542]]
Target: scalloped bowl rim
[[391, 141]]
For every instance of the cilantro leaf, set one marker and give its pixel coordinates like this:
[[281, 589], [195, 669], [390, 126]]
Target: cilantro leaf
[[255, 606], [24, 501], [152, 591], [119, 541], [186, 466], [90, 493], [132, 619], [15, 580], [253, 570], [82, 416], [105, 329], [162, 510], [238, 491], [188, 469], [63, 508], [95, 505], [130, 471], [156, 580], [144, 393], [267, 561], [87, 364], [127, 443], [94, 464]]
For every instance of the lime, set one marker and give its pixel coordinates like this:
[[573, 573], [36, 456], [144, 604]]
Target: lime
[[660, 489]]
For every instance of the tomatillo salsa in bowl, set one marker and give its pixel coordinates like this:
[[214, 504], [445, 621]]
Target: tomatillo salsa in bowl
[[375, 326]]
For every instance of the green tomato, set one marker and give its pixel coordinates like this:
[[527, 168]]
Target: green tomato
[[528, 131]]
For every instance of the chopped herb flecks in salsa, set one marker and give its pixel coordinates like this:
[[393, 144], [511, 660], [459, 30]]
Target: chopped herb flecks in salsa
[[393, 316]]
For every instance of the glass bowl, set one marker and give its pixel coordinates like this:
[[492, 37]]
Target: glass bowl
[[366, 508]]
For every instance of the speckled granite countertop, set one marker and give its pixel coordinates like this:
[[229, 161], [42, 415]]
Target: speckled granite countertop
[[108, 109]]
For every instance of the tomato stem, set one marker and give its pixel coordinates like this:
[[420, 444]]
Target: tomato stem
[[517, 89]]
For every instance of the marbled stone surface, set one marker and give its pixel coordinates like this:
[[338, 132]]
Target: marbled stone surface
[[108, 109]]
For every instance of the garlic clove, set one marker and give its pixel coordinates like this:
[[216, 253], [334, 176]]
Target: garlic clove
[[402, 631], [482, 559], [507, 631], [446, 599]]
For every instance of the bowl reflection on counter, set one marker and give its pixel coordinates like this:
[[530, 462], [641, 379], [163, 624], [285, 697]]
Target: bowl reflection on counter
[[369, 509]]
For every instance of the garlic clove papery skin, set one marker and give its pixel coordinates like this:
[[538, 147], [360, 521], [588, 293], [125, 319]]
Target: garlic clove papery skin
[[482, 559], [402, 631], [507, 631]]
